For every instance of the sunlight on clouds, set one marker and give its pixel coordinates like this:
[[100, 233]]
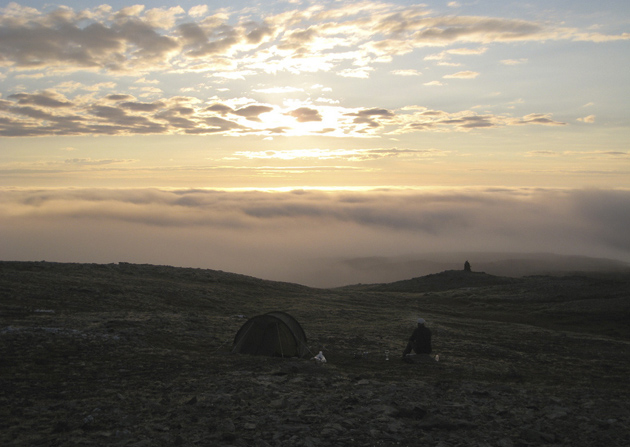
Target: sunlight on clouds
[[198, 11], [345, 154], [72, 86], [308, 40], [446, 54], [514, 61], [163, 18], [50, 112], [286, 89], [598, 37], [362, 73], [462, 75], [294, 76], [583, 155], [406, 72], [233, 74], [467, 51], [93, 162], [144, 80], [542, 154], [327, 101], [590, 119]]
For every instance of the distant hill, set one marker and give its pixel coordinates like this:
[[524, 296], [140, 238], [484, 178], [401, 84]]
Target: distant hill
[[450, 279], [382, 269]]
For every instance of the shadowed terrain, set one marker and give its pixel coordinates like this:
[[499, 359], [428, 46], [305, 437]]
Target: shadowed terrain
[[139, 355]]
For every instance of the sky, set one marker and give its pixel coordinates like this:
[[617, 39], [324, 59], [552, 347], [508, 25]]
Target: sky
[[269, 138]]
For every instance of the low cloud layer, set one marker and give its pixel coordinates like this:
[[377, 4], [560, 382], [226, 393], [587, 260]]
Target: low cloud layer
[[285, 235]]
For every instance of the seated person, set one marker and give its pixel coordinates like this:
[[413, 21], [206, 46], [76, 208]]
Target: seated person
[[420, 340]]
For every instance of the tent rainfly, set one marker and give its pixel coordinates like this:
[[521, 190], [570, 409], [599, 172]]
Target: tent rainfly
[[275, 334]]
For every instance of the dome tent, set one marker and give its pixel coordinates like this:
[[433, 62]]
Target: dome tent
[[272, 334]]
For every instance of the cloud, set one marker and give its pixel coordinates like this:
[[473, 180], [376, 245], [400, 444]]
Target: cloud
[[198, 11], [537, 118], [406, 73], [371, 117], [51, 113], [286, 89], [305, 115], [462, 75], [45, 99], [471, 121], [163, 18], [314, 38], [514, 61], [93, 162], [467, 51], [362, 73], [60, 40], [142, 106], [590, 119], [146, 81], [585, 155], [253, 112], [445, 55], [598, 37], [543, 153], [222, 109], [341, 154], [600, 155], [290, 231], [421, 119], [130, 11]]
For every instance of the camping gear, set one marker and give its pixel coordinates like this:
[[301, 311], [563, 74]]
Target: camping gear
[[275, 334]]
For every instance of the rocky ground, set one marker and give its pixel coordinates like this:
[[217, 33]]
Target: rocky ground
[[136, 355]]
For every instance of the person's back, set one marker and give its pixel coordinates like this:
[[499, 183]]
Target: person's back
[[420, 340], [422, 343]]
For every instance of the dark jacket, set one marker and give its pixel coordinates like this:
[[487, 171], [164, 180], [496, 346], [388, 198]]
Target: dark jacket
[[420, 341]]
